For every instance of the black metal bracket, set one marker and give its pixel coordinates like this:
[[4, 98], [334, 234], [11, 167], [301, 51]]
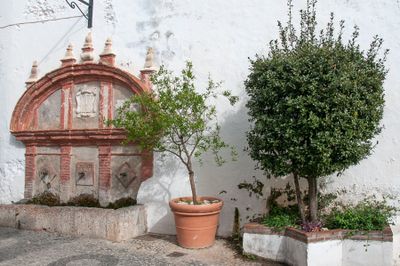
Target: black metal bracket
[[88, 15]]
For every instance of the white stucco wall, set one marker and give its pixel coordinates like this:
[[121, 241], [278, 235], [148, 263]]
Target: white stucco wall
[[218, 36]]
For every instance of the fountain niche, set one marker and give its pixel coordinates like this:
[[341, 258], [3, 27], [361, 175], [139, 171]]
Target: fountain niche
[[61, 120]]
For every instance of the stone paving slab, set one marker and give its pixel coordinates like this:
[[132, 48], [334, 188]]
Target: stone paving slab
[[20, 247]]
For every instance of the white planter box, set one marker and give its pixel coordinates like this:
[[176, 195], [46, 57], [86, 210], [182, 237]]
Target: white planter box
[[115, 225], [327, 248]]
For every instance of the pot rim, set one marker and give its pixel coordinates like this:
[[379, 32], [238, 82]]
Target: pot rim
[[184, 208]]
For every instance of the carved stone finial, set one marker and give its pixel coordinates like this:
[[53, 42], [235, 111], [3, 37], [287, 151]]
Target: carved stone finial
[[88, 41], [149, 64], [107, 56], [69, 53], [107, 47], [148, 68], [87, 49], [34, 74], [69, 58]]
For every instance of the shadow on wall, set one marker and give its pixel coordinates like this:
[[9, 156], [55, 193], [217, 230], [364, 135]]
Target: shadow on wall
[[156, 192], [170, 180], [15, 144], [213, 179]]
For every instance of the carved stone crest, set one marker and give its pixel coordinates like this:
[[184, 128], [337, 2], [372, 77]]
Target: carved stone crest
[[125, 175], [84, 174], [46, 176], [86, 102]]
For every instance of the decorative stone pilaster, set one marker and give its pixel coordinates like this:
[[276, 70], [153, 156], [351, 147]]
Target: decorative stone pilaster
[[147, 165], [107, 57], [87, 50], [69, 58], [104, 173], [148, 68], [30, 170], [65, 173], [34, 74], [66, 105]]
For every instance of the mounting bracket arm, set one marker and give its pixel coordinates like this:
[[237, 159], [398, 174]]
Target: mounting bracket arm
[[88, 15]]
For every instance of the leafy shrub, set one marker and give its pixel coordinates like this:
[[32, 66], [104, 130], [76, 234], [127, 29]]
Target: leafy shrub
[[45, 198], [84, 200], [280, 217], [315, 102], [122, 203], [366, 215]]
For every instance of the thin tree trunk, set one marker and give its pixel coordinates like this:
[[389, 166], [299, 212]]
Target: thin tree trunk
[[192, 184], [190, 170], [313, 198], [300, 202]]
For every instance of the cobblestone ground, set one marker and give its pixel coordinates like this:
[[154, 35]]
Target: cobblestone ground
[[19, 247]]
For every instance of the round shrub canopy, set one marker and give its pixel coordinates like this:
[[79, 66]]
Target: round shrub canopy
[[316, 104]]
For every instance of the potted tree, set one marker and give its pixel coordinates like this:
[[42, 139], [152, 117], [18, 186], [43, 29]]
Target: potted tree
[[177, 119]]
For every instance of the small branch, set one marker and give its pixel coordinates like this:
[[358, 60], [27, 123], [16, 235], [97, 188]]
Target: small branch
[[198, 138], [178, 155], [185, 150], [171, 136], [195, 146]]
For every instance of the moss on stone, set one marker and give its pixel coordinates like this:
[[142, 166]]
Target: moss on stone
[[121, 203], [84, 200], [45, 198]]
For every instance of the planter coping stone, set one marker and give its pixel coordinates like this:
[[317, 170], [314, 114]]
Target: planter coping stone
[[385, 235]]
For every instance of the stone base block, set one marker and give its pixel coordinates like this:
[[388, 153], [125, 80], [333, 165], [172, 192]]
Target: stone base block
[[115, 225], [328, 248]]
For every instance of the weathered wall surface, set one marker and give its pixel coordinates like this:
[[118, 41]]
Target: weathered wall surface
[[218, 36]]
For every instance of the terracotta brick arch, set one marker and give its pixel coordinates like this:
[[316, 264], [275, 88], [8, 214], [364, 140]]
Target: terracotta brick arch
[[65, 78]]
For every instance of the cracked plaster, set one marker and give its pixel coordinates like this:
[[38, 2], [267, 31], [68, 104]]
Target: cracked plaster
[[44, 9]]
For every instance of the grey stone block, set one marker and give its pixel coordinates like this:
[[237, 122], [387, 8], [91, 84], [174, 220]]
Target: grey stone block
[[115, 225]]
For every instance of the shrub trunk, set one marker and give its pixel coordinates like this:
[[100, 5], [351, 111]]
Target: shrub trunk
[[313, 198]]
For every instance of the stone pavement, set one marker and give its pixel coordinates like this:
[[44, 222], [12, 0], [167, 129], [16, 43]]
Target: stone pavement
[[19, 247]]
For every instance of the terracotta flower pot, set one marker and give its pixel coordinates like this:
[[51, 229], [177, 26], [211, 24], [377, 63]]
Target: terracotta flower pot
[[196, 225]]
